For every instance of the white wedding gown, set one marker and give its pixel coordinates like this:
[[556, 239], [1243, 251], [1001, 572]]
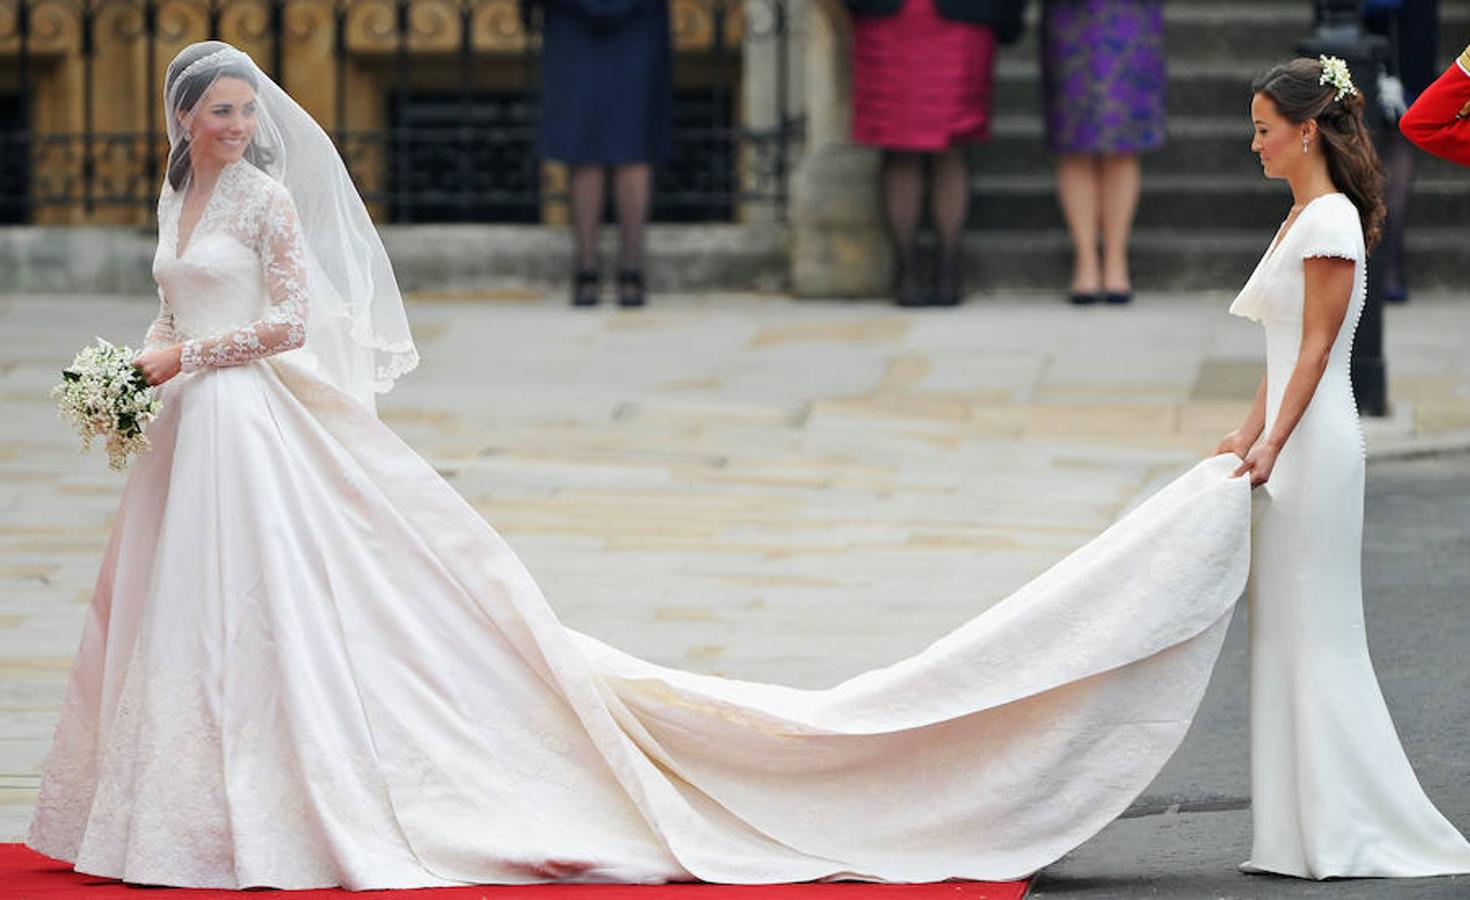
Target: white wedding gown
[[1332, 793], [308, 662]]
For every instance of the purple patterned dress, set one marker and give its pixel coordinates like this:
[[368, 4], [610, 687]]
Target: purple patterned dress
[[1102, 66]]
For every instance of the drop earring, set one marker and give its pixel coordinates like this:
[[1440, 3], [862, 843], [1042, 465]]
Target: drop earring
[[1306, 144]]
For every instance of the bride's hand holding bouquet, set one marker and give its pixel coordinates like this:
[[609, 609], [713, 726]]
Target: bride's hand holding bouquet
[[159, 365], [106, 394]]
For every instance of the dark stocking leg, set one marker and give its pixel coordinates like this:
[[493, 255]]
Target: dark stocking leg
[[587, 194], [903, 187], [949, 201], [1398, 165], [633, 188], [587, 200]]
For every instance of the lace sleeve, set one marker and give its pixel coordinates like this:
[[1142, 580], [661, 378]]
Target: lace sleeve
[[283, 327], [161, 332]]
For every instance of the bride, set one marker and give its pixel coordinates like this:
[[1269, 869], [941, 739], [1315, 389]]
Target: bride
[[309, 663]]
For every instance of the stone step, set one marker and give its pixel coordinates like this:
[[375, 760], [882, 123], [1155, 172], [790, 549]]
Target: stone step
[[1169, 259], [1198, 144], [690, 258], [489, 263], [1266, 32], [1006, 203], [1194, 89]]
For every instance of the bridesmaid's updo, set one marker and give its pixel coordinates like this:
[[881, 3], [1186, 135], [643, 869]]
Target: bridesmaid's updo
[[1299, 94], [188, 93]]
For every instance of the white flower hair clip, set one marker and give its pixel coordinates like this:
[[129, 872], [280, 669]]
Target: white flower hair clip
[[1335, 72]]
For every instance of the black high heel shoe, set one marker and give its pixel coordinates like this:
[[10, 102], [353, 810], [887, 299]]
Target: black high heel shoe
[[630, 288], [586, 287], [948, 288], [906, 288]]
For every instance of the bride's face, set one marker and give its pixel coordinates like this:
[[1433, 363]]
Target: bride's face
[[1277, 142], [223, 123]]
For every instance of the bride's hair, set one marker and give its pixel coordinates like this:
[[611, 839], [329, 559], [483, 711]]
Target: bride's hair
[[188, 92], [1297, 90]]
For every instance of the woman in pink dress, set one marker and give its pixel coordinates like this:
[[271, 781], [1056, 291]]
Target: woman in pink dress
[[921, 85]]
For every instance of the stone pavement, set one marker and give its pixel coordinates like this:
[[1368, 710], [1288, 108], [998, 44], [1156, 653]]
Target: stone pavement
[[745, 485]]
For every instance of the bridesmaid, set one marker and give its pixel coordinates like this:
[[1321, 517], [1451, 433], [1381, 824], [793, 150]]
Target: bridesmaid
[[921, 87], [1102, 66], [1333, 794], [607, 104]]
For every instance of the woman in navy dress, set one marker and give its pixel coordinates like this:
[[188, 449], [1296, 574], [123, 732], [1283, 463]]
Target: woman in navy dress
[[606, 103]]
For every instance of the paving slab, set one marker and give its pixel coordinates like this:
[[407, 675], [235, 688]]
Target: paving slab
[[744, 484]]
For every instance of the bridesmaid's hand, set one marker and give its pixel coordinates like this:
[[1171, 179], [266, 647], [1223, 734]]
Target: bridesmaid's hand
[[162, 364], [1258, 462], [1234, 443]]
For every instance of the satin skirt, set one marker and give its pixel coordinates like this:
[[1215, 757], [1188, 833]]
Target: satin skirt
[[308, 662], [1332, 791]]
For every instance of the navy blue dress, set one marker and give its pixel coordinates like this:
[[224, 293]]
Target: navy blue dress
[[606, 81]]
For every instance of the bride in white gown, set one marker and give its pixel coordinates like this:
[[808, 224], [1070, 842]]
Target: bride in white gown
[[308, 662], [1332, 792]]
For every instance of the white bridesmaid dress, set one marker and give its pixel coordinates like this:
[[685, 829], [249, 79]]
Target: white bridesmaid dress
[[1332, 792], [308, 662]]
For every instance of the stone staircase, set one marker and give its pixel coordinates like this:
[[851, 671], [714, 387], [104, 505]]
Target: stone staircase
[[1204, 219], [1206, 212]]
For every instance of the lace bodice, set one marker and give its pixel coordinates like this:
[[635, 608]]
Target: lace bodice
[[237, 291]]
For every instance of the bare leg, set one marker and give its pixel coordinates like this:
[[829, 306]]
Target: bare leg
[[1398, 165], [949, 201], [1121, 183], [903, 194], [1079, 178]]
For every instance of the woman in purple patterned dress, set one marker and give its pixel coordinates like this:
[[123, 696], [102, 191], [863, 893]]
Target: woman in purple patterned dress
[[1102, 64]]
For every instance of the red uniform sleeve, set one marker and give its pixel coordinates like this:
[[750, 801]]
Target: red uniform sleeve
[[1439, 121]]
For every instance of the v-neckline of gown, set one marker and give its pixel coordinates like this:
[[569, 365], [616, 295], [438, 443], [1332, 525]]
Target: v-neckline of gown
[[1285, 230], [181, 246]]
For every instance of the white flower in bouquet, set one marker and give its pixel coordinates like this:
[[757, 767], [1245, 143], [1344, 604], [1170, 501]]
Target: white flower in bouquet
[[105, 396]]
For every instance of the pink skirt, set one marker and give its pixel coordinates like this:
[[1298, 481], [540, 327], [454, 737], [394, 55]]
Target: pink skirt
[[920, 82]]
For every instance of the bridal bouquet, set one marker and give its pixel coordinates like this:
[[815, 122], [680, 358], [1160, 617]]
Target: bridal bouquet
[[105, 396]]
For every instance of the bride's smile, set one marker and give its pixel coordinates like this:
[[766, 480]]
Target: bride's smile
[[225, 125]]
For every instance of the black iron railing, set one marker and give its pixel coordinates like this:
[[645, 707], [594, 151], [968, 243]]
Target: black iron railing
[[433, 103]]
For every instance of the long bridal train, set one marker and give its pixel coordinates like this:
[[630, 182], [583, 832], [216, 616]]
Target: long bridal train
[[327, 669]]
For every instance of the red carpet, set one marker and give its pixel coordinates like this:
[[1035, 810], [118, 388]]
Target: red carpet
[[25, 874]]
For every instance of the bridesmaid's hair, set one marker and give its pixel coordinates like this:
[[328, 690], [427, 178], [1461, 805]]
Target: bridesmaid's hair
[[1299, 94], [189, 92]]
